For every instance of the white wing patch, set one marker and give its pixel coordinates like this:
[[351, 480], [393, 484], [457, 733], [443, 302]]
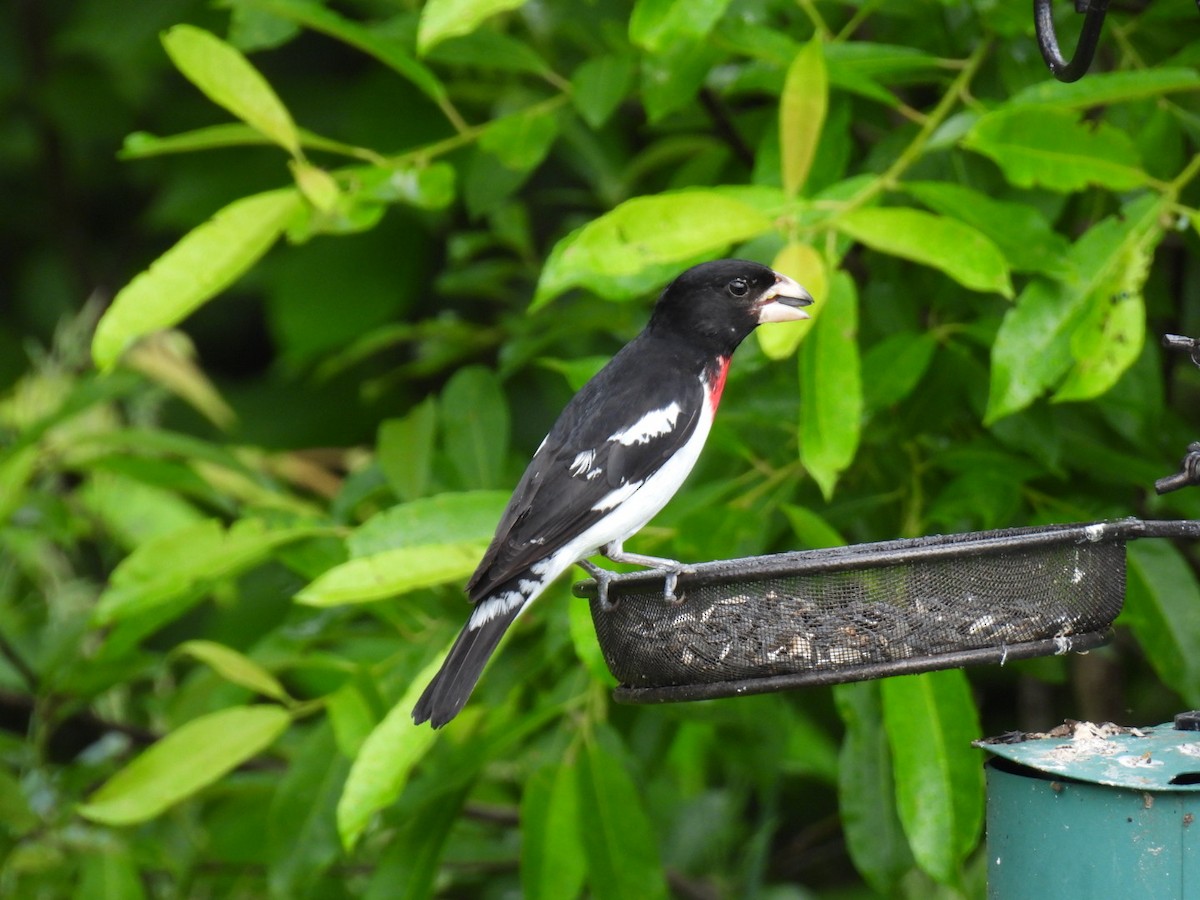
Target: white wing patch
[[581, 466], [616, 496], [496, 605], [653, 424]]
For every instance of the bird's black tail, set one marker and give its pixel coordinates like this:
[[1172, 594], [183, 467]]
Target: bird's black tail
[[447, 693]]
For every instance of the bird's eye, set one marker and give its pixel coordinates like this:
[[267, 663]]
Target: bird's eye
[[738, 287]]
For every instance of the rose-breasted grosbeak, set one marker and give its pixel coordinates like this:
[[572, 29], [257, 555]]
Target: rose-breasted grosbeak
[[617, 454]]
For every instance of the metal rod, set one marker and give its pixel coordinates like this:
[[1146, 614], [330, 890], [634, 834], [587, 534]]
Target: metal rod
[[1075, 643], [857, 557]]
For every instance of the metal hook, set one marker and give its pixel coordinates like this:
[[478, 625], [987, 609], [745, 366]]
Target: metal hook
[[1089, 37], [1188, 345], [1189, 468]]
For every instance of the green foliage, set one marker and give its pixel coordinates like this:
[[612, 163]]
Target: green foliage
[[379, 245]]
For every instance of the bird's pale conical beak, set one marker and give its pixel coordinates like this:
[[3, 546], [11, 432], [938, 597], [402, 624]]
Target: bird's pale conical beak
[[781, 302]]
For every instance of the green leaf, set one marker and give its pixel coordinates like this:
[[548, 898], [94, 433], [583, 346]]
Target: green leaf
[[386, 759], [520, 141], [553, 857], [491, 50], [779, 340], [583, 639], [16, 468], [236, 667], [670, 79], [109, 875], [831, 388], [621, 848], [318, 186], [301, 838], [1052, 148], [475, 421], [392, 573], [133, 511], [204, 262], [646, 240], [464, 517], [951, 246], [427, 186], [866, 790], [420, 544], [408, 870], [1022, 234], [802, 107], [599, 85], [1034, 346], [442, 19], [17, 817], [405, 450], [1107, 88], [810, 529], [1112, 329], [228, 79], [168, 567], [184, 762], [386, 48], [659, 25], [894, 367], [1162, 607], [578, 371], [931, 721], [352, 717]]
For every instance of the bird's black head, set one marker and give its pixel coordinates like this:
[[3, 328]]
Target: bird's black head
[[721, 302]]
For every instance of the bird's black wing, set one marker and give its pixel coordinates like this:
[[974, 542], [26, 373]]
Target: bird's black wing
[[579, 464]]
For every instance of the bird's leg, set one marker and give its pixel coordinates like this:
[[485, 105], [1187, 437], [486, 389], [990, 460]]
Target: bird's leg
[[671, 568], [602, 577]]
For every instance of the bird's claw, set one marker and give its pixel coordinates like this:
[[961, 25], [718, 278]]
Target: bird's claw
[[602, 577], [671, 582], [670, 569]]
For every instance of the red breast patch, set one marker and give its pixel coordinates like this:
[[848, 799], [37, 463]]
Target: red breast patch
[[717, 383]]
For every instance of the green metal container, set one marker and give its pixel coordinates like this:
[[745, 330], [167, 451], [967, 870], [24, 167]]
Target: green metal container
[[1095, 811]]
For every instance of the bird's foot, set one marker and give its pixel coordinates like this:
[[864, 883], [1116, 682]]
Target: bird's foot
[[671, 568], [602, 577]]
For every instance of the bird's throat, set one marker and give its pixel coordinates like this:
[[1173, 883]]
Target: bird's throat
[[716, 381]]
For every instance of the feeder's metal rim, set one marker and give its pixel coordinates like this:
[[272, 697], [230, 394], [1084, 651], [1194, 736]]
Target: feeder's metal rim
[[898, 552], [1075, 643]]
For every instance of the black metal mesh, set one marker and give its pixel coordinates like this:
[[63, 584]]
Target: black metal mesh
[[866, 610]]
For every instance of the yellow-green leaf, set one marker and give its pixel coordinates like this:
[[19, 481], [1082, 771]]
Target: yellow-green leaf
[[1037, 339], [442, 19], [385, 760], [645, 241], [169, 565], [831, 388], [802, 107], [1112, 332], [393, 572], [963, 253], [807, 266], [317, 185], [1050, 147], [931, 721], [188, 759], [228, 79], [235, 667], [205, 261]]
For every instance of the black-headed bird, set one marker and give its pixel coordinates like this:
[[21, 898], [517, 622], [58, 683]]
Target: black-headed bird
[[619, 451]]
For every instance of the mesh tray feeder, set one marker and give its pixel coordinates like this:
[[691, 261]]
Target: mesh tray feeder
[[814, 617]]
